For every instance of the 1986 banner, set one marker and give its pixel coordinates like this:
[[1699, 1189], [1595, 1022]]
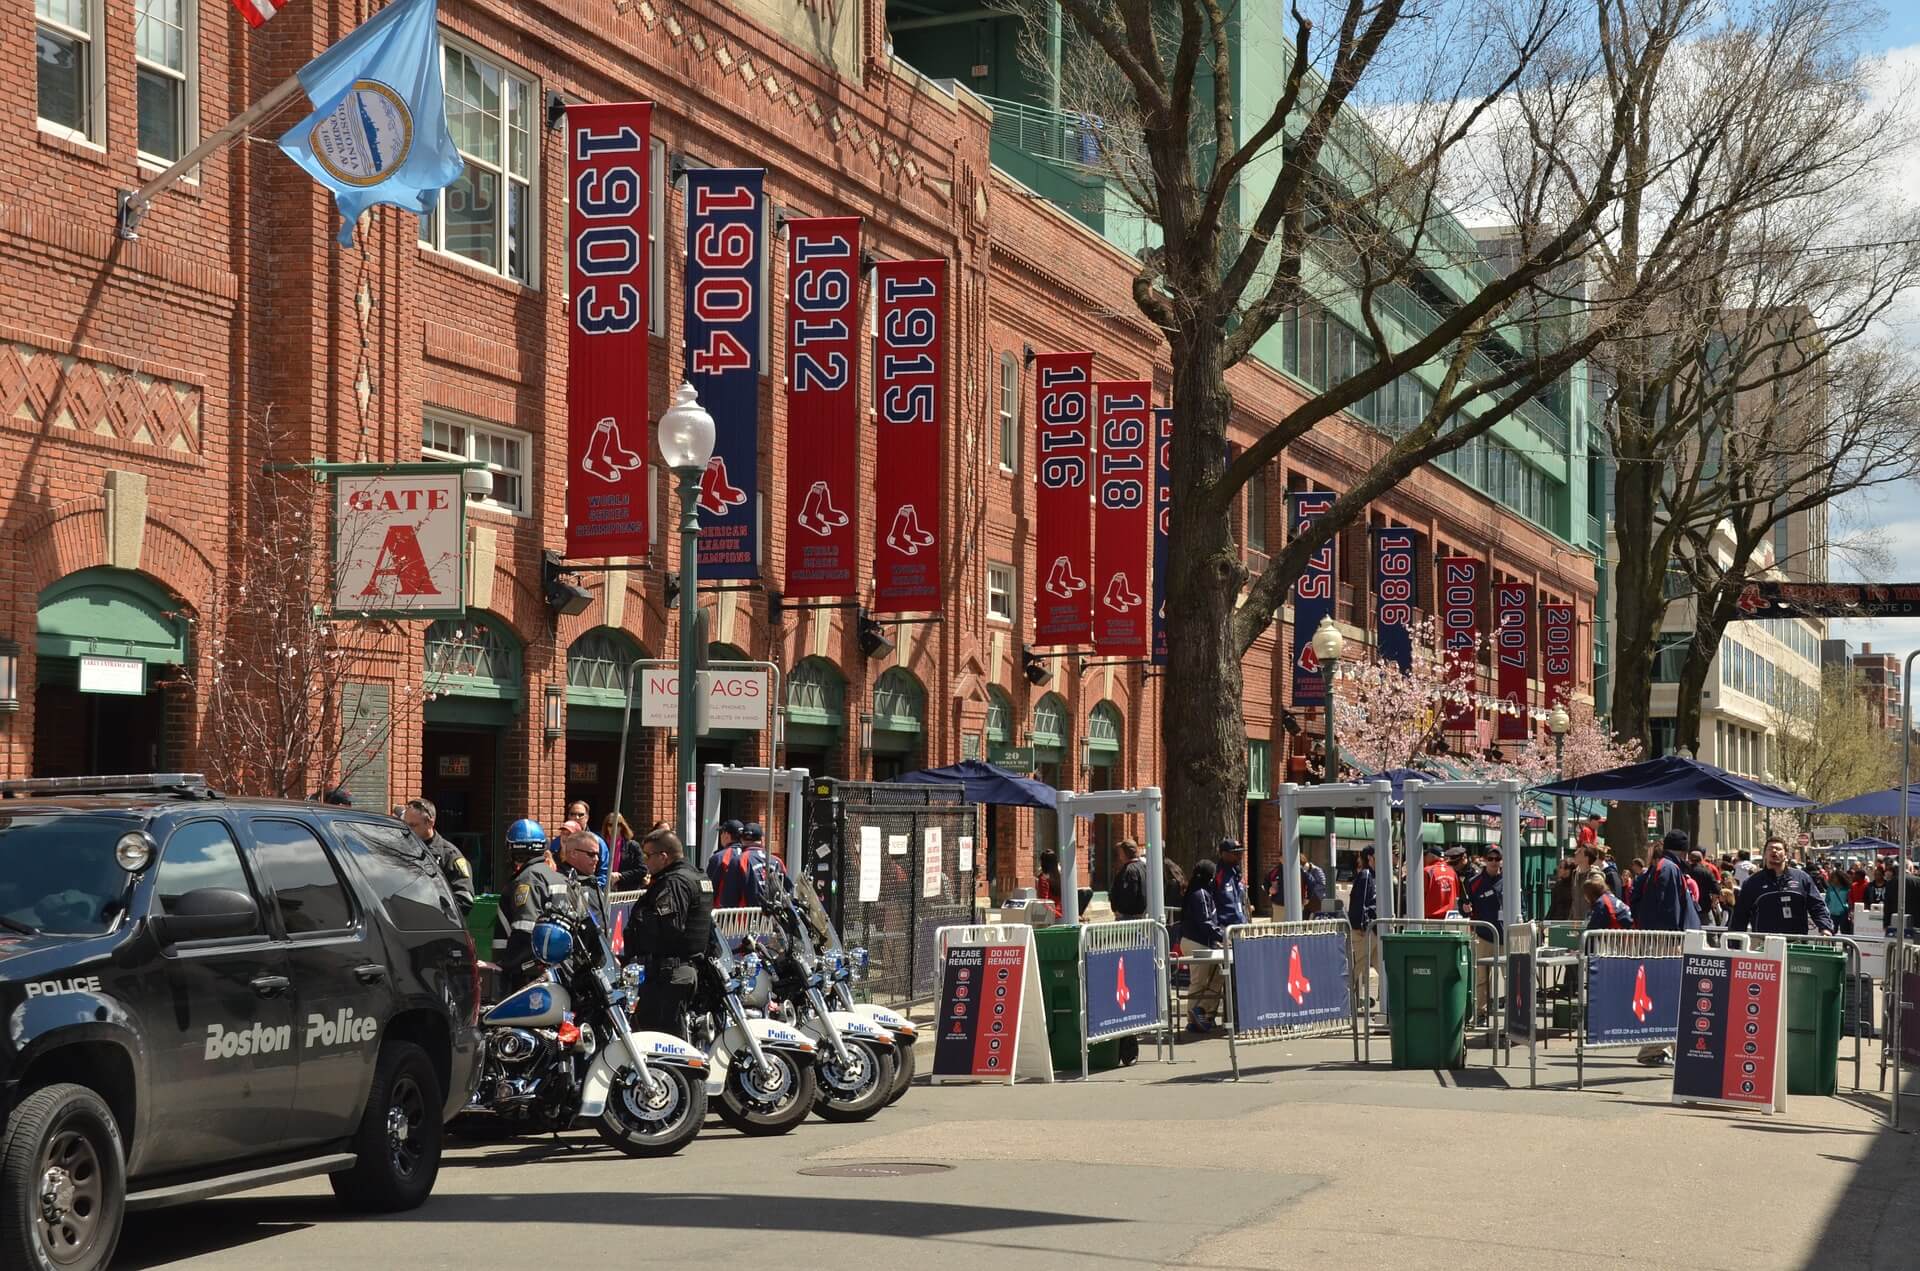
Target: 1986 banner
[[1063, 406], [1121, 517], [1557, 641], [909, 390], [1162, 526], [724, 221], [1461, 580], [1312, 596], [1513, 656], [823, 407], [1396, 566]]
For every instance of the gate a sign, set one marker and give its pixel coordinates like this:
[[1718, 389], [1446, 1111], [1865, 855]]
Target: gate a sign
[[399, 545]]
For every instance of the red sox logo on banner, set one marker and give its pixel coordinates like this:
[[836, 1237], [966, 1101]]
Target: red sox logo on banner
[[823, 264], [909, 388], [1063, 405], [1122, 517], [1556, 653], [1513, 652], [1460, 583]]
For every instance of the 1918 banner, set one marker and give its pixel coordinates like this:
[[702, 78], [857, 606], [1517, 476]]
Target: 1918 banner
[[823, 407], [1396, 571], [1461, 581], [1122, 514], [1162, 526], [1312, 596], [1063, 406], [725, 217], [1557, 643], [1513, 657], [909, 389]]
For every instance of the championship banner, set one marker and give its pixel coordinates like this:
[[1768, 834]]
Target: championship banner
[[1162, 526], [1396, 565], [823, 406], [1290, 981], [1063, 531], [1632, 1001], [1461, 578], [608, 483], [909, 387], [1312, 596], [1731, 1045], [725, 217], [1121, 517], [1557, 642], [1513, 656]]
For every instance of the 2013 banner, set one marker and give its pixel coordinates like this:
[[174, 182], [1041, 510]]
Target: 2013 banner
[[1396, 565], [823, 407], [1513, 657], [1063, 516], [1557, 640], [1461, 581], [909, 387], [607, 432], [725, 219], [1312, 596], [1121, 516], [1162, 526]]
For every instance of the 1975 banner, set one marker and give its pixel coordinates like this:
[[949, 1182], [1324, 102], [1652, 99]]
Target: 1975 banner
[[607, 421], [1122, 515], [909, 390], [1312, 595], [1063, 515], [823, 406], [725, 216]]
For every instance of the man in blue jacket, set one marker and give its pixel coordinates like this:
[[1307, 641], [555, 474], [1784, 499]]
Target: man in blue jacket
[[1202, 931], [1780, 898], [1660, 902], [1363, 906], [1230, 885]]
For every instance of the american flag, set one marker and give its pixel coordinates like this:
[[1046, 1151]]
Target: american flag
[[256, 12]]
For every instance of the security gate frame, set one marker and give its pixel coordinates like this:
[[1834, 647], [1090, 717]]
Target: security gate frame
[[1070, 807]]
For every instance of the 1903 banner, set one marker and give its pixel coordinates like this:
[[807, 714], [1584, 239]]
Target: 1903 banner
[[909, 388], [823, 407], [725, 217]]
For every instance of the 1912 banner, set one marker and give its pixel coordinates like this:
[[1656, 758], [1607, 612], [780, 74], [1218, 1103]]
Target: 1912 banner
[[823, 406], [1396, 566], [909, 388], [725, 217], [1513, 657], [1557, 640], [607, 431], [1063, 407], [1162, 526], [1312, 595], [1461, 581], [1122, 516]]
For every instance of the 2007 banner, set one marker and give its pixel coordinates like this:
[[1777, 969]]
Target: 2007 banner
[[1513, 656], [1121, 517], [725, 217], [823, 407], [1063, 529], [909, 389]]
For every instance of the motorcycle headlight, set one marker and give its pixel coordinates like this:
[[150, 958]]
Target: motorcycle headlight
[[861, 958], [733, 985], [633, 975], [750, 967], [816, 980]]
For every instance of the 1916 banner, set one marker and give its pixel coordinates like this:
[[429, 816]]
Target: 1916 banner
[[1557, 641], [1063, 404], [1122, 515], [1513, 657], [607, 431], [823, 407], [1396, 566], [725, 216], [909, 388], [1312, 596], [1461, 581], [1162, 526]]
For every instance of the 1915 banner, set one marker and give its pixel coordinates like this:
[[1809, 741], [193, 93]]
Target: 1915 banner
[[725, 217], [1557, 641], [1121, 517], [909, 388], [1312, 595], [1396, 566], [608, 482], [1513, 657], [1162, 526], [1461, 581], [1063, 406], [823, 407]]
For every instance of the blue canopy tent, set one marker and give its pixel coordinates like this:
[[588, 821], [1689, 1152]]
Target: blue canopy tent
[[1864, 846], [1673, 779], [1873, 803], [984, 783]]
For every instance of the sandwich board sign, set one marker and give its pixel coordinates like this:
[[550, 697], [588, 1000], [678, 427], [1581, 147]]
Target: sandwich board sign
[[990, 1027]]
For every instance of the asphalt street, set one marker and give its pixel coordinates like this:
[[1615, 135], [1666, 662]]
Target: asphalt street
[[1310, 1160]]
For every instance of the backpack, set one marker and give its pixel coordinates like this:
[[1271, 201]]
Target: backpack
[[1127, 894]]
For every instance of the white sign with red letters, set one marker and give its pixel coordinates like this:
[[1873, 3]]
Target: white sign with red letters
[[728, 699], [399, 545]]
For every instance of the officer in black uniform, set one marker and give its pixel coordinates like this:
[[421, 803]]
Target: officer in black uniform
[[535, 885], [671, 923], [420, 814], [1780, 899]]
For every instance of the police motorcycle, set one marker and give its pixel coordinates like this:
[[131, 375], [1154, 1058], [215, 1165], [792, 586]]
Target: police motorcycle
[[760, 1073], [845, 965], [560, 1050]]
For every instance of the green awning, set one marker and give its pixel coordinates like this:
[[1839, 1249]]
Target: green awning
[[111, 613], [1361, 827]]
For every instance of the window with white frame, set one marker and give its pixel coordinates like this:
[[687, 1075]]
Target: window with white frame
[[1000, 592], [163, 46], [72, 97], [487, 214], [445, 436], [1009, 412]]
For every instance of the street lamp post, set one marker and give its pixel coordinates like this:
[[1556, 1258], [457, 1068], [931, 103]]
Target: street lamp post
[[1328, 644], [1558, 723], [686, 444], [1767, 777]]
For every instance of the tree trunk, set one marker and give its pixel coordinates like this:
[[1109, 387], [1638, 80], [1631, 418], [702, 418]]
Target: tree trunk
[[1639, 607], [1686, 721]]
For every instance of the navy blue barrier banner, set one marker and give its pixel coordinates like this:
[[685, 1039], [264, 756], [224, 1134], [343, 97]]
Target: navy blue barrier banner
[[1290, 981], [1632, 1001], [1123, 993]]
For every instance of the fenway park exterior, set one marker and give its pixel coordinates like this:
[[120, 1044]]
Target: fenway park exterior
[[130, 370]]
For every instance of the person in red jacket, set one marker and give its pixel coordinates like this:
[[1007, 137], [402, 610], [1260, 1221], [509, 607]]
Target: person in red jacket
[[1442, 886]]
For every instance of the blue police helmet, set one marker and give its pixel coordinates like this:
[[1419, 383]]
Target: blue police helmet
[[552, 943], [526, 830]]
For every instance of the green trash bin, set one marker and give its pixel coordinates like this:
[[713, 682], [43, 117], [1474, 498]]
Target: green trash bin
[[1429, 983], [480, 919], [1816, 981], [1057, 948]]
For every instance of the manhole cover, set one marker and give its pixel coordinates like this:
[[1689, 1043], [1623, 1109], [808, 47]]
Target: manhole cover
[[876, 1169]]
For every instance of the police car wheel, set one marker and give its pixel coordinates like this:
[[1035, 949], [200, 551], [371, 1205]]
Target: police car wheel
[[398, 1142], [63, 1184]]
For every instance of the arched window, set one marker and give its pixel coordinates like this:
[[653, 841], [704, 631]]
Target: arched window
[[597, 666], [474, 656], [899, 702], [999, 715], [817, 694], [1103, 734], [1050, 724]]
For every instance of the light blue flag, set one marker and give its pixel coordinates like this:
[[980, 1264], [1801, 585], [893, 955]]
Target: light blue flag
[[378, 131]]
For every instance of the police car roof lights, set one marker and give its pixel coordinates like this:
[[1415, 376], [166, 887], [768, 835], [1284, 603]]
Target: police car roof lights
[[189, 784]]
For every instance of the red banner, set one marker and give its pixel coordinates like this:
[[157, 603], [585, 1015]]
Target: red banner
[[607, 417], [1513, 657], [823, 406], [1557, 651], [1123, 517], [908, 388], [1461, 580], [1063, 514]]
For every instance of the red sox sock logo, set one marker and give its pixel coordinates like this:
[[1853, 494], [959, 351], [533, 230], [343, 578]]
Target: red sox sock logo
[[1642, 1004], [817, 513], [1120, 994], [1061, 580], [906, 536], [717, 494], [1120, 596], [607, 456], [1298, 985]]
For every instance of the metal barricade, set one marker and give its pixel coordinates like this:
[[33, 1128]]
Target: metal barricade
[[1121, 938], [1643, 946], [1903, 960], [1239, 1034], [1496, 982]]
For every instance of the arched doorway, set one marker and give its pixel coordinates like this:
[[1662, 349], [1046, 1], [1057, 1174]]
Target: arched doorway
[[105, 639], [597, 666], [1049, 731], [475, 685], [899, 723], [1104, 772], [816, 718]]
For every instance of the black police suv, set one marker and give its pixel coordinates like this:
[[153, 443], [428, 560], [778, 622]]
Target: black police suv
[[203, 995]]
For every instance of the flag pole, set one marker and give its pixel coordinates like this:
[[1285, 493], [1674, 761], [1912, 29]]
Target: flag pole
[[134, 204]]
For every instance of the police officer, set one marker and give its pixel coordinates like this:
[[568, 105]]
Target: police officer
[[577, 859], [420, 814], [535, 884], [725, 848], [672, 922], [1780, 898]]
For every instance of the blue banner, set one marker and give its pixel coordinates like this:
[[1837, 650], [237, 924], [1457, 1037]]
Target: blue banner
[[1396, 595], [1290, 981], [1162, 525], [726, 220], [1123, 993], [1632, 1000], [1312, 595]]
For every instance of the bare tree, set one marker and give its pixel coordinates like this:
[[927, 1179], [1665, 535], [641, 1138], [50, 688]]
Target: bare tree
[[1829, 740]]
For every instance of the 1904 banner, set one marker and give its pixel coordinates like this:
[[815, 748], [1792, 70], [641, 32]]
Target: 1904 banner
[[909, 385], [1162, 526], [725, 216], [823, 407]]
